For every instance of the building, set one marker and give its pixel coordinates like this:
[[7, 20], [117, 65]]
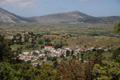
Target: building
[[49, 48]]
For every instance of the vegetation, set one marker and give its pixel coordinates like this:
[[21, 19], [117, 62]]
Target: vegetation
[[90, 65], [5, 51], [117, 27], [77, 29], [107, 71]]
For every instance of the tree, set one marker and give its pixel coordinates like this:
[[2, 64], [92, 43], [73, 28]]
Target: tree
[[38, 66], [94, 59], [47, 40], [116, 55], [58, 45], [5, 50], [40, 42], [7, 72], [82, 57], [72, 52], [117, 27], [71, 70], [107, 71], [55, 64], [62, 56], [47, 73], [26, 71], [67, 53], [17, 39], [49, 58], [26, 38], [54, 59]]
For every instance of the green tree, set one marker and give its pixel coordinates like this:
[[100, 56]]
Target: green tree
[[47, 73], [55, 64], [94, 59], [54, 59], [107, 71], [7, 72], [27, 72], [38, 66], [67, 53], [5, 50], [82, 57], [116, 55], [117, 27]]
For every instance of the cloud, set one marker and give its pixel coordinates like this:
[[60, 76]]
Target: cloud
[[19, 3]]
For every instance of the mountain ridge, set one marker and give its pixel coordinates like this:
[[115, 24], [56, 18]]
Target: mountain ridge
[[8, 17], [66, 17]]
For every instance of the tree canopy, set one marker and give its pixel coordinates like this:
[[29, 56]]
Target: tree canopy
[[117, 27], [6, 53]]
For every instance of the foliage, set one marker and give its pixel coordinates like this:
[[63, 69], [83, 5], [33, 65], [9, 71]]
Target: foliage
[[71, 70], [93, 68], [49, 58], [94, 59], [55, 64], [60, 45], [67, 53], [25, 71], [107, 71], [7, 72], [117, 27], [5, 50], [54, 59], [21, 70], [116, 55], [47, 73]]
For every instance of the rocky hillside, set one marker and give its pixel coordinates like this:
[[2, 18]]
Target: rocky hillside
[[7, 17], [68, 17], [74, 17]]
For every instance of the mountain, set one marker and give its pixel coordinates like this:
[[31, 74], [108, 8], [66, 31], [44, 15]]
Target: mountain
[[67, 17], [74, 17], [7, 17]]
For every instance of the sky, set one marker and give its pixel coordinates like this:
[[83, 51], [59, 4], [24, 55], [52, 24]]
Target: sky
[[29, 8]]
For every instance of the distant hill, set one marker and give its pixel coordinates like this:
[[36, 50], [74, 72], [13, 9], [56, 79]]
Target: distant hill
[[68, 17], [7, 17], [74, 17]]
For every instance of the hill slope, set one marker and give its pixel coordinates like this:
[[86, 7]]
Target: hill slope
[[68, 17], [7, 17], [74, 17]]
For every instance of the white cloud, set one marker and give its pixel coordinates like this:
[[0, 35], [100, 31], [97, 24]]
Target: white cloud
[[19, 3]]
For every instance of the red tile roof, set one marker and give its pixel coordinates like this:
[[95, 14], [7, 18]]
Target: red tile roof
[[49, 53], [48, 46]]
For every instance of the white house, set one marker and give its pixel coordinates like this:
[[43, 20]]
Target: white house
[[49, 48], [42, 55], [36, 51], [25, 53]]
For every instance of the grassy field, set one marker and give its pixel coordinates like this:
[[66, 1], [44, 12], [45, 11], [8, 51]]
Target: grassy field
[[78, 29], [72, 35]]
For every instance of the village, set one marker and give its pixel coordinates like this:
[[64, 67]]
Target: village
[[50, 51]]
